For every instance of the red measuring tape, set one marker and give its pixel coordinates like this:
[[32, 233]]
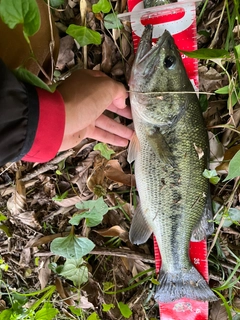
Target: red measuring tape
[[180, 20]]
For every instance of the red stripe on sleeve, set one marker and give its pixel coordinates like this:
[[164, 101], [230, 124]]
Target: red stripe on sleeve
[[50, 128]]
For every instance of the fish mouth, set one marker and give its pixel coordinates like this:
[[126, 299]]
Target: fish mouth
[[148, 56]]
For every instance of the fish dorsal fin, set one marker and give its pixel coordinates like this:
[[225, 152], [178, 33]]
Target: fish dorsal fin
[[159, 145], [139, 231], [133, 148]]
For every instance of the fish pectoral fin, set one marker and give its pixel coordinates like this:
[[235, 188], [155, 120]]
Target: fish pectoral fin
[[159, 145], [206, 226], [139, 231], [133, 148]]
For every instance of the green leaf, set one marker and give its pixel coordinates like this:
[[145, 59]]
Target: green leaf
[[234, 167], [23, 12], [204, 53], [230, 216], [111, 21], [223, 90], [107, 307], [75, 271], [56, 3], [155, 281], [71, 247], [102, 6], [124, 309], [107, 286], [76, 311], [105, 151], [2, 217], [47, 312], [211, 175], [232, 99], [6, 314], [26, 76], [84, 35], [94, 210], [93, 316], [203, 100]]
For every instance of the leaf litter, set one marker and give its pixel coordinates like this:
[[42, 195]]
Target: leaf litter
[[39, 201]]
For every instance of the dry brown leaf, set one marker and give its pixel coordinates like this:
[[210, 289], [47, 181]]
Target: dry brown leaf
[[108, 52], [135, 266], [69, 202], [113, 171], [210, 79], [44, 272], [16, 203], [25, 258], [66, 55], [114, 231], [229, 154], [46, 239], [96, 182], [216, 151], [218, 311], [62, 292], [29, 218]]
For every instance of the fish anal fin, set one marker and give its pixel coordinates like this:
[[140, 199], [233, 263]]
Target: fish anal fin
[[133, 148], [139, 231], [206, 226]]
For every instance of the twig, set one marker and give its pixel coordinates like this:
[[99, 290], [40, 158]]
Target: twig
[[123, 253], [51, 165], [112, 252]]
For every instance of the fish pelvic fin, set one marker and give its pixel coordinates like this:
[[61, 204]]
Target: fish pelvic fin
[[184, 284], [159, 145], [133, 148], [139, 231]]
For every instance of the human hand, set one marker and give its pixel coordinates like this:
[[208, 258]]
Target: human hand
[[86, 94]]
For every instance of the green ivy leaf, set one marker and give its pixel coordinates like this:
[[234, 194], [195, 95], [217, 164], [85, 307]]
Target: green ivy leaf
[[111, 21], [107, 307], [23, 12], [84, 35], [94, 212], [206, 54], [102, 6], [74, 270], [47, 312], [71, 247], [105, 151], [93, 316], [26, 76], [211, 175], [234, 167], [124, 309], [231, 216]]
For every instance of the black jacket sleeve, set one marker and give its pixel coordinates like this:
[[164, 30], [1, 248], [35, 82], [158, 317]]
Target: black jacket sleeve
[[19, 113]]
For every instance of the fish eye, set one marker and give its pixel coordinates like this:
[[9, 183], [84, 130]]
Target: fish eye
[[169, 62]]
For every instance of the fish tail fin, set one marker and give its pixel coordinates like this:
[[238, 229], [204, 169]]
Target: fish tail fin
[[184, 284]]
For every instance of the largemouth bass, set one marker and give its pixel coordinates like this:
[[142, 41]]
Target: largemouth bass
[[170, 150]]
